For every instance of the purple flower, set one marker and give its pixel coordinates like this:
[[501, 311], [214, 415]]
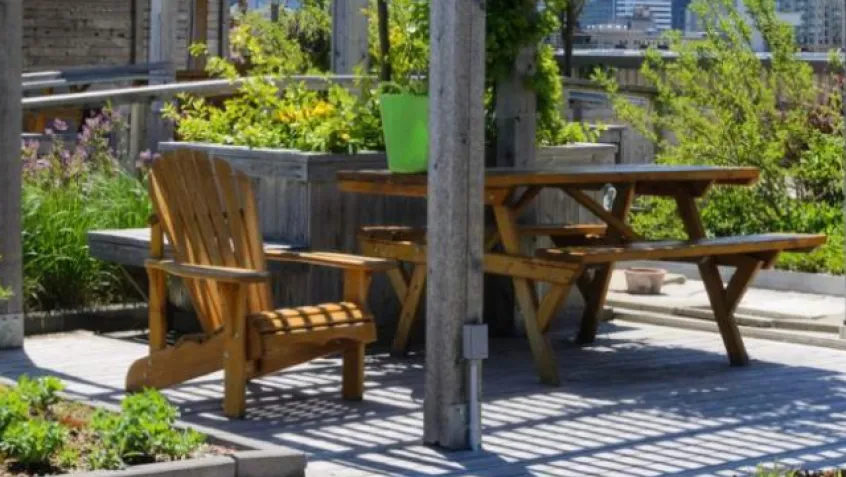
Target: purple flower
[[60, 125], [146, 157], [48, 132], [93, 122]]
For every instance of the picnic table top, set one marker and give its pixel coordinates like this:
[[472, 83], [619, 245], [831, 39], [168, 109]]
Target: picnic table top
[[575, 176]]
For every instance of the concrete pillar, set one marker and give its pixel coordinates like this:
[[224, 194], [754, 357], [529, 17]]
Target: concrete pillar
[[11, 269], [349, 35], [456, 219]]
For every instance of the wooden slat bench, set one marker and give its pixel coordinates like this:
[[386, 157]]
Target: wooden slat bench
[[749, 254]]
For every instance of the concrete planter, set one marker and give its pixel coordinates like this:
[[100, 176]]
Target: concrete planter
[[101, 319], [300, 205], [644, 281], [262, 463]]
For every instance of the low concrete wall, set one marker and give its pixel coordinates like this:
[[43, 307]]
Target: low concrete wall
[[102, 320], [258, 463]]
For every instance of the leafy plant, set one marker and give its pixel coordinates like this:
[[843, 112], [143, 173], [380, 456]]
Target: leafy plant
[[13, 408], [32, 442], [40, 393], [262, 115], [68, 190], [717, 103], [143, 430]]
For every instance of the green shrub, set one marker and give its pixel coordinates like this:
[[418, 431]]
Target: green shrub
[[13, 408], [717, 103], [337, 120], [33, 442], [40, 393], [68, 191], [142, 431]]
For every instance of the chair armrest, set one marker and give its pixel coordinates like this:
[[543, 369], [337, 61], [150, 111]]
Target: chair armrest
[[208, 272], [332, 260]]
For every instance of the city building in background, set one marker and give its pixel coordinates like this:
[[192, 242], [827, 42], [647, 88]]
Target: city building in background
[[660, 11], [679, 14], [597, 12], [821, 27]]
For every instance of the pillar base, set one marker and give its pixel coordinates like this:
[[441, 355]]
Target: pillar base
[[11, 331]]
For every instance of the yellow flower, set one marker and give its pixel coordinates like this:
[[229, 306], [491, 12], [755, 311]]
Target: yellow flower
[[322, 108]]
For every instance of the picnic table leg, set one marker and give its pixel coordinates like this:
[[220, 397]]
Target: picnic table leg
[[595, 289], [410, 305], [722, 305], [527, 299]]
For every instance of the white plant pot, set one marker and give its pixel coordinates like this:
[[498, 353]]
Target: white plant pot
[[645, 281]]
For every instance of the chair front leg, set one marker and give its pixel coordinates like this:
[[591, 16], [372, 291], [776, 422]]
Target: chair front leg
[[157, 310], [356, 288], [234, 301]]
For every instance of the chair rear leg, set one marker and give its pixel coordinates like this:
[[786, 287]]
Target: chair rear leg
[[353, 379]]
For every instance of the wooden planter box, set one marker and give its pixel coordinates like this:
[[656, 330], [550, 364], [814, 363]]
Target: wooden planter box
[[300, 205]]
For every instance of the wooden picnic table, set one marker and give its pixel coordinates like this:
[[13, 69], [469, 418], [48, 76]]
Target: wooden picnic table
[[585, 254]]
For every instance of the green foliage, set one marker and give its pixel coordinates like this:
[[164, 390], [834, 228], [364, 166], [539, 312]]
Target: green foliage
[[33, 442], [40, 393], [718, 104], [13, 408], [262, 115], [68, 190], [59, 272], [408, 32], [142, 431]]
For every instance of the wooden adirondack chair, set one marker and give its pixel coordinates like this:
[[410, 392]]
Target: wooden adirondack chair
[[208, 212]]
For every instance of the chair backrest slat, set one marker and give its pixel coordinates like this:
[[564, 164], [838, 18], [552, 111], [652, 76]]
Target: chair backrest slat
[[208, 212]]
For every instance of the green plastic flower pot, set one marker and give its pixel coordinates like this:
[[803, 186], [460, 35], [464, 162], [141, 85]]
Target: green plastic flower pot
[[405, 125]]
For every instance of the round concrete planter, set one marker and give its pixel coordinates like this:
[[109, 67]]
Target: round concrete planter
[[645, 281]]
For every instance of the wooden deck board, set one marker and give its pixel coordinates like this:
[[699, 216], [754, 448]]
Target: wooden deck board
[[642, 401]]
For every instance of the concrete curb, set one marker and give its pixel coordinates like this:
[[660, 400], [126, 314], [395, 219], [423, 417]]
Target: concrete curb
[[263, 463], [814, 283], [649, 318], [742, 319]]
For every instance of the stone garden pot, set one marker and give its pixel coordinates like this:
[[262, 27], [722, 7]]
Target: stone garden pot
[[644, 281]]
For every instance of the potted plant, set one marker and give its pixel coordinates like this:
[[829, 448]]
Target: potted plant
[[405, 126]]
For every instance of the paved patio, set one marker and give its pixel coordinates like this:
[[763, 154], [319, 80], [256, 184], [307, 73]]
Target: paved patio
[[643, 401]]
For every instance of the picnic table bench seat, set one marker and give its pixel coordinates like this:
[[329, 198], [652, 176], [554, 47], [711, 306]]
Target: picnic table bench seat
[[759, 245]]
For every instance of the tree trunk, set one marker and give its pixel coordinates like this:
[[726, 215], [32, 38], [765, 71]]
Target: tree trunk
[[274, 11], [568, 32], [384, 41], [11, 268]]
